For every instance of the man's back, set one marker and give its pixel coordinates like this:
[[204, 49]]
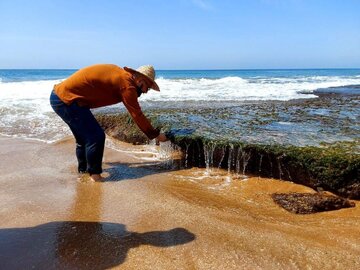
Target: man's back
[[94, 86]]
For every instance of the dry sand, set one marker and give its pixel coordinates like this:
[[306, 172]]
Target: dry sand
[[145, 217]]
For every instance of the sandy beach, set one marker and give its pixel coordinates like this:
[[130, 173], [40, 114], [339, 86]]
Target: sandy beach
[[146, 217]]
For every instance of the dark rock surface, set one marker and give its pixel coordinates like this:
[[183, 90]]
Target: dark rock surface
[[122, 128], [351, 191], [308, 203]]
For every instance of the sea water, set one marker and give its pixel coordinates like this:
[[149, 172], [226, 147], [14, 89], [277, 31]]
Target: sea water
[[24, 94]]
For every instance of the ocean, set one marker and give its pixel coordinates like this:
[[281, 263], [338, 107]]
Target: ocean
[[25, 111]]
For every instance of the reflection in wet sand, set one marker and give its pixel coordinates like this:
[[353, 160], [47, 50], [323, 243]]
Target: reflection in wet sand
[[87, 202]]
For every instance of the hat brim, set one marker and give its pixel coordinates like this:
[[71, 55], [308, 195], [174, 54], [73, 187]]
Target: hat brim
[[153, 84]]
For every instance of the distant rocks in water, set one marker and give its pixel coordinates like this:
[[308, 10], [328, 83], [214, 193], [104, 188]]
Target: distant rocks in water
[[308, 203], [339, 90]]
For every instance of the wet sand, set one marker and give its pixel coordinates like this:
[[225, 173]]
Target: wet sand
[[147, 217]]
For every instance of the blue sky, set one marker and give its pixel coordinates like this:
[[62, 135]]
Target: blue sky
[[180, 34]]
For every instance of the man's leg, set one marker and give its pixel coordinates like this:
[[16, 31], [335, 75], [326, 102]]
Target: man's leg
[[94, 146], [81, 157], [87, 132], [90, 137], [80, 152], [63, 111]]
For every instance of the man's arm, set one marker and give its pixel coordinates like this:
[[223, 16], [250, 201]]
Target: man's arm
[[130, 100]]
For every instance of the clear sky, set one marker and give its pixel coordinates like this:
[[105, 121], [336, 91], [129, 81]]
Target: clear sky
[[180, 34]]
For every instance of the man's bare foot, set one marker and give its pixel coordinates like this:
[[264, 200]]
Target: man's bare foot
[[96, 178], [83, 177]]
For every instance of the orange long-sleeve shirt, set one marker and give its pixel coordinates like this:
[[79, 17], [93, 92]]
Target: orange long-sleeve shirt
[[101, 85]]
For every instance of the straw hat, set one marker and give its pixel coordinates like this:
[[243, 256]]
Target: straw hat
[[148, 73]]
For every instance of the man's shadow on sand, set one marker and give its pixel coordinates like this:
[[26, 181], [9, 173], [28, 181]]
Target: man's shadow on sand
[[125, 171], [78, 245]]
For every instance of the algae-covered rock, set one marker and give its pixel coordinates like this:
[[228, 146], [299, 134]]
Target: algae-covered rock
[[328, 166], [331, 168], [308, 203], [122, 127]]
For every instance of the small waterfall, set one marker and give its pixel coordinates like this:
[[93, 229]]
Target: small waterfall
[[238, 158], [186, 154], [209, 156], [278, 159], [222, 156], [166, 153], [246, 158], [230, 157], [260, 163]]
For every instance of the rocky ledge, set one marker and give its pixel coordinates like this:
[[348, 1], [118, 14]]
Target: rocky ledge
[[328, 166], [314, 142], [308, 203]]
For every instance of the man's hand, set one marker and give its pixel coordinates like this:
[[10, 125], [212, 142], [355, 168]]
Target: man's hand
[[161, 138]]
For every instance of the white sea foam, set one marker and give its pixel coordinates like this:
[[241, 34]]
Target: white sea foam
[[237, 89], [25, 109]]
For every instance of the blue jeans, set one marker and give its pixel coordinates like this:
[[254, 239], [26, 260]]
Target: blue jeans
[[89, 136]]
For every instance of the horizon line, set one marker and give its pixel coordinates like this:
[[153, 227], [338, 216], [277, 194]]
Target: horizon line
[[215, 69]]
